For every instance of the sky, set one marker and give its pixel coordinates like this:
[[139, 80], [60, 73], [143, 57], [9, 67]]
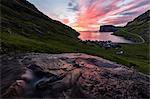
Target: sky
[[89, 15]]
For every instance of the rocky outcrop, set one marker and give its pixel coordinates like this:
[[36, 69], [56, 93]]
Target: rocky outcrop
[[108, 28], [72, 76]]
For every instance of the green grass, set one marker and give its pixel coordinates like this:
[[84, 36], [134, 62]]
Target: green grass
[[58, 38], [128, 35], [135, 55], [15, 42], [135, 31]]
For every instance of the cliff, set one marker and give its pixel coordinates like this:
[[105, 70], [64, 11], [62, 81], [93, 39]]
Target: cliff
[[108, 28]]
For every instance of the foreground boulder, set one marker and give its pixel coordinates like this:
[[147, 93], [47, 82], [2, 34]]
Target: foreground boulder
[[71, 76]]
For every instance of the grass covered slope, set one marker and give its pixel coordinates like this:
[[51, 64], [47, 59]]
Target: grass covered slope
[[24, 27], [138, 29]]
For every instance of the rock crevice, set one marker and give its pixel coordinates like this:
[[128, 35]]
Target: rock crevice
[[75, 76]]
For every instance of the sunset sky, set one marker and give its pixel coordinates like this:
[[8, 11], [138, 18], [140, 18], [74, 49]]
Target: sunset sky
[[84, 15]]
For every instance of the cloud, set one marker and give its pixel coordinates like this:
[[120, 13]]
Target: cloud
[[70, 4], [73, 6], [94, 12], [65, 21], [136, 4], [131, 13], [90, 14]]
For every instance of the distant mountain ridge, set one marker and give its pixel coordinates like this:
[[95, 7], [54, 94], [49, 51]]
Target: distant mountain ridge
[[144, 17], [23, 10]]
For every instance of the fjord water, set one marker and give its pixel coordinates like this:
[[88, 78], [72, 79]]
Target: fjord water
[[102, 36]]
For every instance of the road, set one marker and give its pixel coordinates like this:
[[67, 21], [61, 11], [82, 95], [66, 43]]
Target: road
[[142, 40]]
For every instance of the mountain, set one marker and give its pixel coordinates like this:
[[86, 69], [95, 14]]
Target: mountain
[[108, 28], [144, 17], [34, 73], [25, 28], [138, 29]]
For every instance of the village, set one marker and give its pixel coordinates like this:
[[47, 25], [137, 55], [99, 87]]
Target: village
[[106, 45]]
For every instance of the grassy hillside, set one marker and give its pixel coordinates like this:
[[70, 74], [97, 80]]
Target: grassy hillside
[[25, 29], [137, 29], [21, 20]]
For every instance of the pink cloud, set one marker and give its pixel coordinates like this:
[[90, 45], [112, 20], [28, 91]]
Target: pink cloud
[[90, 15], [65, 21]]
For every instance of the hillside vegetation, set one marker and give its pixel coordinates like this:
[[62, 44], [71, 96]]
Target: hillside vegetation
[[25, 29], [137, 29]]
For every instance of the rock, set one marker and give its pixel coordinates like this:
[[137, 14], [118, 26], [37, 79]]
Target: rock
[[27, 76], [45, 82], [16, 90], [108, 28], [76, 76], [37, 70]]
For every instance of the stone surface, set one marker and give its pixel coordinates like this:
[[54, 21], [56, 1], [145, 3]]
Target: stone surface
[[72, 75]]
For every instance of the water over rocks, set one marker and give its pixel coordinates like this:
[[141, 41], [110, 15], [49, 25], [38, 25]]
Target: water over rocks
[[72, 75]]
